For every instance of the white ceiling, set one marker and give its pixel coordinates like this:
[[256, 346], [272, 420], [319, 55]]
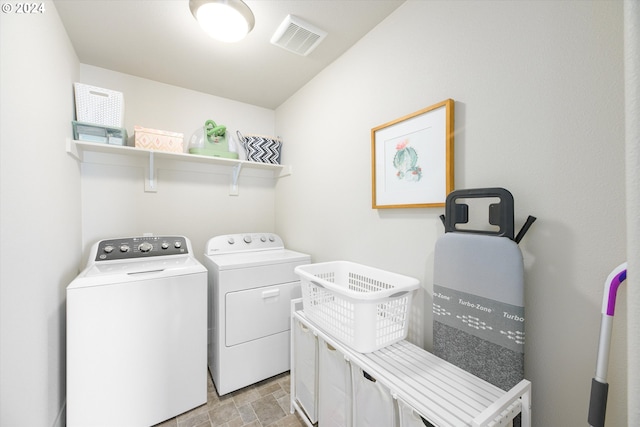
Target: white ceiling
[[160, 40]]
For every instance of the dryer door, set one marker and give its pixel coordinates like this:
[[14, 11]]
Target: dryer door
[[256, 313]]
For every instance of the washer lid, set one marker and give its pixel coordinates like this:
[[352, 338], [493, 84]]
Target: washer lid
[[167, 264], [252, 259], [123, 271]]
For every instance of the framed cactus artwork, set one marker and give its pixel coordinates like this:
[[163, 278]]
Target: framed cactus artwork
[[412, 159]]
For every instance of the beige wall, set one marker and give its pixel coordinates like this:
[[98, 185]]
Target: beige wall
[[39, 215], [632, 153], [539, 110]]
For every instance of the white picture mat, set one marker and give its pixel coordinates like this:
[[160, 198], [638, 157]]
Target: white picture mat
[[426, 133]]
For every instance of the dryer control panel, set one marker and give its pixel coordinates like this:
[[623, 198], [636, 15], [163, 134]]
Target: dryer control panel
[[141, 247], [231, 243]]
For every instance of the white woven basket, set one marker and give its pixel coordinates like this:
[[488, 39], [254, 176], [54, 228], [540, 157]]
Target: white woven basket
[[99, 106]]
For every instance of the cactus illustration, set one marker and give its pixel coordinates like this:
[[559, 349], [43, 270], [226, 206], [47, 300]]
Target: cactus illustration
[[406, 162]]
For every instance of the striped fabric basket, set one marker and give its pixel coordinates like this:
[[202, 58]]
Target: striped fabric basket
[[259, 148]]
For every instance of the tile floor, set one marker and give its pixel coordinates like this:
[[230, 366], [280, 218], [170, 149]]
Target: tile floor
[[260, 405]]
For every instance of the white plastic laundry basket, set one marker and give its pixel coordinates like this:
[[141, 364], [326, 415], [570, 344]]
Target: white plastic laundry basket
[[364, 307]]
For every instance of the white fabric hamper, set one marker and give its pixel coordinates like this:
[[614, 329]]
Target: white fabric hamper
[[408, 416], [373, 404], [334, 400], [306, 370]]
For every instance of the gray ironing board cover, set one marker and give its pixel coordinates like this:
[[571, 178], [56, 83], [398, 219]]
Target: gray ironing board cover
[[478, 306]]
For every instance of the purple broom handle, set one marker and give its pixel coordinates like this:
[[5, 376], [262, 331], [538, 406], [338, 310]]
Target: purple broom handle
[[615, 279]]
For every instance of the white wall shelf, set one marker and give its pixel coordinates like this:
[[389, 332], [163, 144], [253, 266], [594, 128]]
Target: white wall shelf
[[149, 159]]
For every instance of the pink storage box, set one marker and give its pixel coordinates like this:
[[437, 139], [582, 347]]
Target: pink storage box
[[161, 140]]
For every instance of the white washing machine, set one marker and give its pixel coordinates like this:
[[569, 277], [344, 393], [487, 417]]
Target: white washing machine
[[136, 333], [251, 284]]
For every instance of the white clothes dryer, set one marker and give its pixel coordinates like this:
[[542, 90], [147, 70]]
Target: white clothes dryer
[[251, 285], [136, 333]]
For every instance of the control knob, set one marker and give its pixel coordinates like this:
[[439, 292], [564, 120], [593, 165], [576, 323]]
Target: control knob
[[145, 247], [108, 249], [124, 248], [177, 245], [247, 239]]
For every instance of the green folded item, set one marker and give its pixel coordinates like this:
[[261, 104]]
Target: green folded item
[[213, 153]]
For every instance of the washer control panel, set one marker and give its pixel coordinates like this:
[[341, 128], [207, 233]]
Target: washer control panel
[[141, 247]]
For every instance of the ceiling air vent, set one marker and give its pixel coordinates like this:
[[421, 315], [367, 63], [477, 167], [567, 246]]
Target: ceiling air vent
[[297, 36]]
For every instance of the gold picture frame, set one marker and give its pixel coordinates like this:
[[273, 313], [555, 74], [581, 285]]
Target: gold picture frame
[[412, 159]]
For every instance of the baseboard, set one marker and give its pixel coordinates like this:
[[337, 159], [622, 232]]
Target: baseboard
[[61, 419]]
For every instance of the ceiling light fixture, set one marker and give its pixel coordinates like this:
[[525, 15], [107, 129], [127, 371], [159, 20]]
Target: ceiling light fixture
[[224, 20]]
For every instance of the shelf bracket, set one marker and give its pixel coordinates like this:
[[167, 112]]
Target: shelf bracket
[[285, 171], [72, 149], [150, 180], [235, 174]]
